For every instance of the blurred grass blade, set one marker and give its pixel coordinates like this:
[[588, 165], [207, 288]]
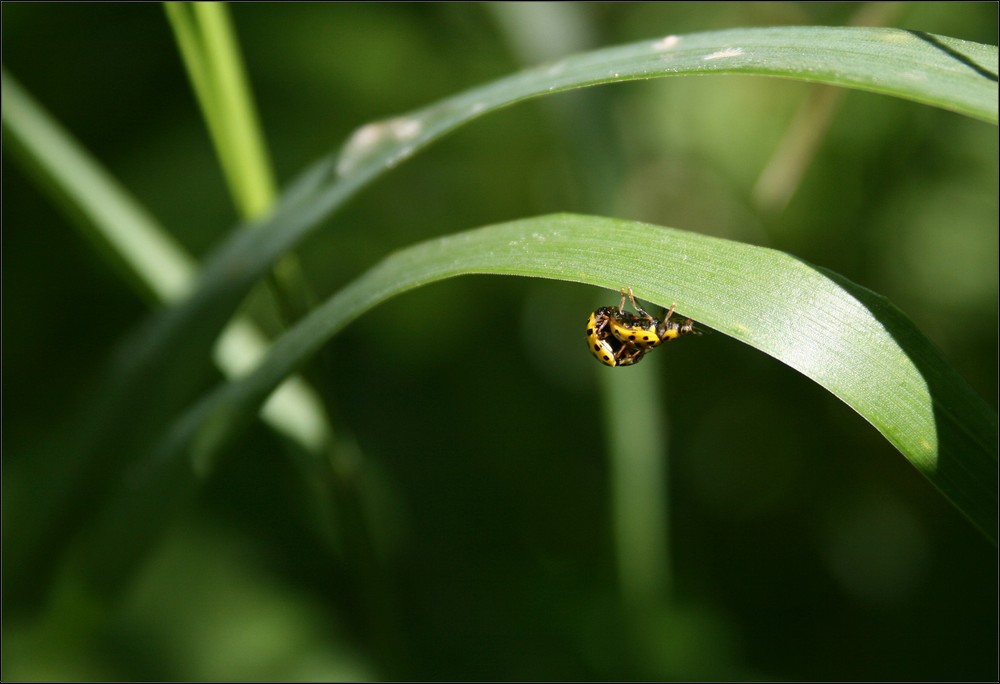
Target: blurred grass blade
[[844, 337], [208, 45], [783, 173], [152, 260], [636, 440], [205, 38], [156, 265]]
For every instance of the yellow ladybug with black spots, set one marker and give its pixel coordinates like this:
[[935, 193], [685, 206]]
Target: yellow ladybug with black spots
[[604, 345], [620, 338]]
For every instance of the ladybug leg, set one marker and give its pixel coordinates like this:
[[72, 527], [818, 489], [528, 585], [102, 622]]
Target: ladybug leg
[[670, 313], [621, 305], [636, 305], [602, 325], [623, 350], [618, 354]]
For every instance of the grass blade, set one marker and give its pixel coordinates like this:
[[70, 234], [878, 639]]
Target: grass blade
[[161, 270], [844, 337], [207, 44], [151, 259]]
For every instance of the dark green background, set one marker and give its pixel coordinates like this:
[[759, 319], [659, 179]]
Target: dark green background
[[802, 545]]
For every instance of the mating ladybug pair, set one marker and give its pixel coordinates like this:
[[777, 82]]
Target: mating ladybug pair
[[620, 338]]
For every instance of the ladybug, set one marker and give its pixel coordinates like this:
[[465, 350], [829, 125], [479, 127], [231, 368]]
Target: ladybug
[[620, 338], [605, 346], [644, 331]]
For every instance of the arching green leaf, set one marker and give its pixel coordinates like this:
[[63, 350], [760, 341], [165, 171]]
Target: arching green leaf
[[846, 338]]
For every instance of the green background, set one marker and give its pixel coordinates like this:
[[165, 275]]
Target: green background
[[801, 544]]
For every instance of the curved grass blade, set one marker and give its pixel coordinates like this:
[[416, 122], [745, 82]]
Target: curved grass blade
[[844, 337]]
